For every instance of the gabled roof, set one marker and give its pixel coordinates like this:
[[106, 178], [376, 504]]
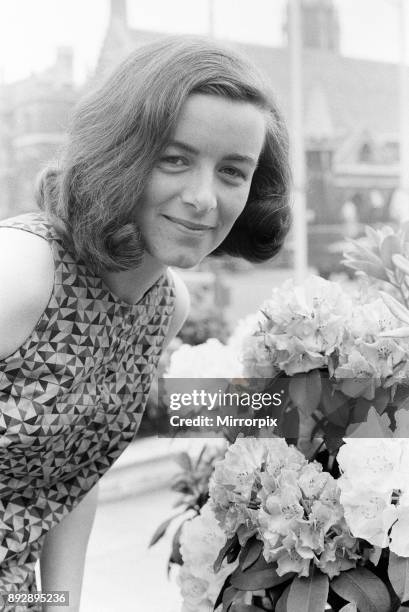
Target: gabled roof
[[357, 94], [361, 94]]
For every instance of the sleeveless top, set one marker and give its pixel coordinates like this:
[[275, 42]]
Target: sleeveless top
[[71, 400]]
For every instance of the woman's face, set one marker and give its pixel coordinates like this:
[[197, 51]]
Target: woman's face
[[201, 181]]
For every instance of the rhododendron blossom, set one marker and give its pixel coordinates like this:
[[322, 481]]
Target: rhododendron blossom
[[375, 489], [270, 488], [201, 540]]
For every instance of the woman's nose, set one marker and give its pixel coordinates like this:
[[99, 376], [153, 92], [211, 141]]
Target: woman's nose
[[200, 192]]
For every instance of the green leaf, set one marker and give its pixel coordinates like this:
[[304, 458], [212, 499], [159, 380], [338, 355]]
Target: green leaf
[[181, 487], [373, 427], [223, 597], [401, 397], [332, 400], [398, 572], [381, 400], [282, 602], [401, 262], [390, 245], [360, 410], [308, 594], [250, 553], [184, 461], [161, 530], [255, 580], [351, 607], [404, 231], [373, 236], [228, 597], [361, 252], [230, 545], [176, 556], [245, 533], [274, 594], [397, 309], [200, 456], [355, 387], [259, 565], [305, 391], [341, 416], [362, 587], [375, 555], [368, 268], [241, 607]]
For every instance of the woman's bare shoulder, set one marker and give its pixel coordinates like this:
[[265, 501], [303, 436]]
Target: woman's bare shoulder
[[26, 283]]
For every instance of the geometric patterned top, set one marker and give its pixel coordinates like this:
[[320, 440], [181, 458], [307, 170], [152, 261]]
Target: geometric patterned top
[[71, 400]]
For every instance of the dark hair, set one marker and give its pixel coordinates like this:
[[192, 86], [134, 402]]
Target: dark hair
[[119, 130]]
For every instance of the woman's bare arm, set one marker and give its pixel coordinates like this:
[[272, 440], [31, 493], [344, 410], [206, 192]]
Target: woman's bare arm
[[63, 555], [26, 282]]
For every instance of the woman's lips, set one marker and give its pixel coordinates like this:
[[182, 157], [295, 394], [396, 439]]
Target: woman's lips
[[189, 225]]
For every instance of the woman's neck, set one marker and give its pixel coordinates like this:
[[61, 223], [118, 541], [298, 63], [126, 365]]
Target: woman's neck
[[131, 285]]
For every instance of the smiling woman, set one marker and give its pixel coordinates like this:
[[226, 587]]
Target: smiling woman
[[134, 116], [181, 153], [201, 182]]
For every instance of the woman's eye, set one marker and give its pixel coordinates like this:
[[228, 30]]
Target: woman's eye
[[174, 160], [234, 172]]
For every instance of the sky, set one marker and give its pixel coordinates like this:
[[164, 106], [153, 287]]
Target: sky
[[30, 30]]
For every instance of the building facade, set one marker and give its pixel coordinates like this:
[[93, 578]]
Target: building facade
[[350, 111], [350, 116], [34, 114]]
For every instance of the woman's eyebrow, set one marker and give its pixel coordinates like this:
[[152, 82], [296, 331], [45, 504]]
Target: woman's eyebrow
[[241, 158], [182, 145], [230, 156]]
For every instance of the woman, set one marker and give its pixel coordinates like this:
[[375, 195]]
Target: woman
[[179, 154]]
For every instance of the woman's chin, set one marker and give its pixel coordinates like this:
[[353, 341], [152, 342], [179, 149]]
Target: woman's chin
[[186, 262], [180, 256], [183, 260]]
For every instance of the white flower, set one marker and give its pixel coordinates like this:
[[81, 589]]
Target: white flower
[[233, 480], [312, 481], [212, 359], [365, 354], [371, 463], [283, 510], [368, 512], [209, 367], [256, 358], [193, 589], [375, 484], [281, 457], [201, 541], [267, 487], [244, 328], [300, 329], [402, 423], [399, 536], [369, 319]]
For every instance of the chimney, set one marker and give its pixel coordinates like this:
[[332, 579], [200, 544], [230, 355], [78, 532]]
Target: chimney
[[118, 12], [64, 66], [319, 25]]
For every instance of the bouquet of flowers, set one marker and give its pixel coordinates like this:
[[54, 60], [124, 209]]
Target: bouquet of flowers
[[314, 520], [279, 533], [339, 354]]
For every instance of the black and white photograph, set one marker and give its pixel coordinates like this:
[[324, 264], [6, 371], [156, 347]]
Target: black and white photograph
[[204, 305]]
